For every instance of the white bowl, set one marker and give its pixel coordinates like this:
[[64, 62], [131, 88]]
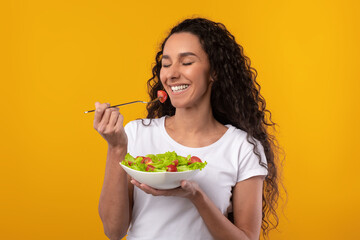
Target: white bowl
[[160, 180]]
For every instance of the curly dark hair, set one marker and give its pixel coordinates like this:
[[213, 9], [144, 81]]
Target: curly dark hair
[[235, 100]]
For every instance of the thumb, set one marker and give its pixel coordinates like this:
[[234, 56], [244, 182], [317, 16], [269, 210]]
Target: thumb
[[186, 185]]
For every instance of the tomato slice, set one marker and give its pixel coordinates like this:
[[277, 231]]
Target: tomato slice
[[171, 168], [176, 162], [146, 160], [150, 168], [194, 159], [162, 95], [130, 163]]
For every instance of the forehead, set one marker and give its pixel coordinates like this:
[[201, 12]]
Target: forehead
[[183, 42]]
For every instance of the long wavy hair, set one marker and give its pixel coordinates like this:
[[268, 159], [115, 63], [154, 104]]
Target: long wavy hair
[[235, 100]]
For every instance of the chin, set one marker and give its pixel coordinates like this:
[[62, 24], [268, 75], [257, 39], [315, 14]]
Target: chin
[[178, 104]]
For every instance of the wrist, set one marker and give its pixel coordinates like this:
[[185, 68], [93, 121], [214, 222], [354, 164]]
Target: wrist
[[116, 154], [117, 149]]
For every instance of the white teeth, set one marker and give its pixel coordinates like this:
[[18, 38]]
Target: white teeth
[[179, 88]]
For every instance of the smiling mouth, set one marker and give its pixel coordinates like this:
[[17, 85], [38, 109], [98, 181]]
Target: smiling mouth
[[179, 88]]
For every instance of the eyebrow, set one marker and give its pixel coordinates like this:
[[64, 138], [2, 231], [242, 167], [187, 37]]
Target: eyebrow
[[181, 55]]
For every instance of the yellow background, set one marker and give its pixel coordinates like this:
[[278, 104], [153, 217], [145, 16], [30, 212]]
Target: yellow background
[[59, 57]]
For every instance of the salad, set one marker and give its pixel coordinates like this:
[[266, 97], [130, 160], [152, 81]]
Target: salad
[[165, 162]]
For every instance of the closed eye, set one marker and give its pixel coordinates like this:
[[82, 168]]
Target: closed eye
[[185, 64]]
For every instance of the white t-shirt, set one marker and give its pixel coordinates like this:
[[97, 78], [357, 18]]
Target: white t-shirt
[[229, 160]]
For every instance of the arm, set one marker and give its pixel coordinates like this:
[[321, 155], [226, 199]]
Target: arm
[[115, 204], [247, 206]]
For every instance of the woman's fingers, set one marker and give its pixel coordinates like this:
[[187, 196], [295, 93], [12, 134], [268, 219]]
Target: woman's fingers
[[105, 120], [108, 122], [114, 117], [148, 189], [99, 112], [119, 122], [186, 190]]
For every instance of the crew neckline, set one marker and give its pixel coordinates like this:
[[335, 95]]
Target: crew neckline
[[230, 129]]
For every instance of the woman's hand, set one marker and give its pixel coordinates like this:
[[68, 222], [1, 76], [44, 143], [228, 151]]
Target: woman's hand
[[187, 189], [109, 123]]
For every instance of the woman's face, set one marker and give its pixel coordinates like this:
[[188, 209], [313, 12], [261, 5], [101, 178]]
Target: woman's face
[[185, 71]]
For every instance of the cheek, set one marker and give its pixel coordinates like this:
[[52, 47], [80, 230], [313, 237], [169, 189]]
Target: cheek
[[192, 73], [197, 74], [162, 76]]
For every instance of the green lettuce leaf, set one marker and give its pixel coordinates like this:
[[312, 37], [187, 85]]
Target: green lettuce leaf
[[161, 161]]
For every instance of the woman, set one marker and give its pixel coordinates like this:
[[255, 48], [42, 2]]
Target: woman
[[214, 111]]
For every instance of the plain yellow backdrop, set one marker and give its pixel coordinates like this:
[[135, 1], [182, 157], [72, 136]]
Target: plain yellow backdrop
[[59, 57]]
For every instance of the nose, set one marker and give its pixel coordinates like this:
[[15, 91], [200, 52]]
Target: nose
[[173, 72]]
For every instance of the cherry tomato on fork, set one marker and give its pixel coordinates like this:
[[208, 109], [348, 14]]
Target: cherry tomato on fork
[[162, 95]]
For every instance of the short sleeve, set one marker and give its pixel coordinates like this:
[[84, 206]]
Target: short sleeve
[[130, 130], [249, 163]]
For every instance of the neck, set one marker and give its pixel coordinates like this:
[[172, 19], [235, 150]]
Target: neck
[[195, 127], [193, 120]]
